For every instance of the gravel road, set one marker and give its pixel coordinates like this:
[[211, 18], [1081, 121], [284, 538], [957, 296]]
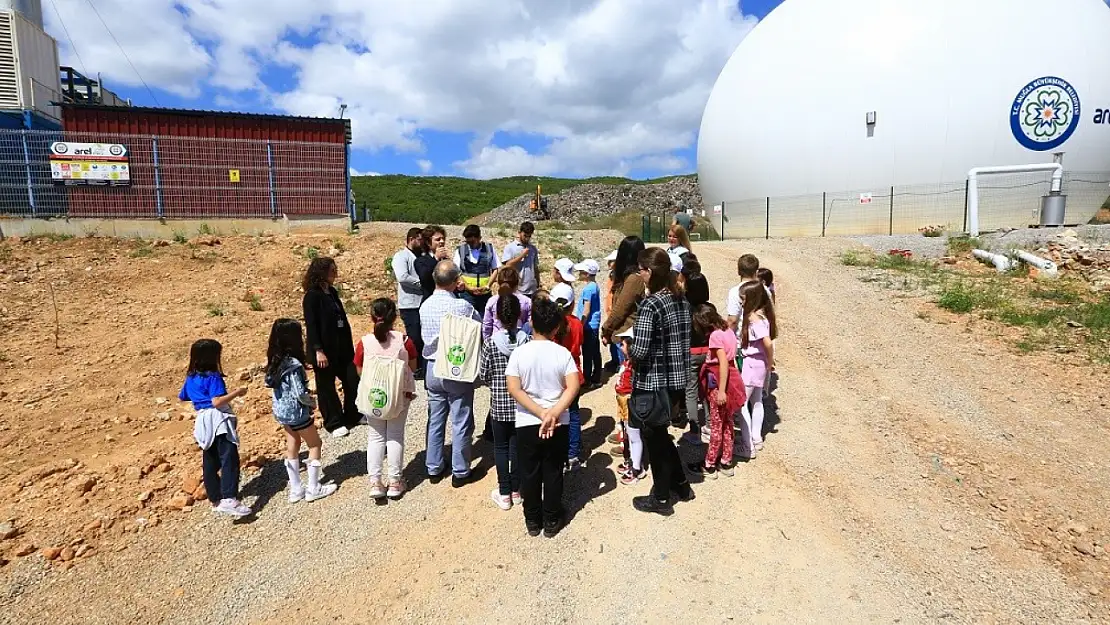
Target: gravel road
[[912, 477]]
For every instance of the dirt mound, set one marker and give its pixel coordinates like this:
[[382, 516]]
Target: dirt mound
[[588, 201]]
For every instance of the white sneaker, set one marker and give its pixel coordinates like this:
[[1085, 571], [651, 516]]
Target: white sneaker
[[323, 490], [758, 446], [340, 432], [296, 495], [232, 508], [501, 501], [377, 490], [517, 499], [396, 489]]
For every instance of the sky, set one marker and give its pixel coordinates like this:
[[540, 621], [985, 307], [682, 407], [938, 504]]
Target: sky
[[475, 88]]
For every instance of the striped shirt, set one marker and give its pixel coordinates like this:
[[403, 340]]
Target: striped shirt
[[432, 312]]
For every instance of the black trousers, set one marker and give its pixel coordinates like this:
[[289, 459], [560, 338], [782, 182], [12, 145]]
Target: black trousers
[[667, 473], [541, 463], [411, 318], [221, 470], [504, 456], [337, 414]]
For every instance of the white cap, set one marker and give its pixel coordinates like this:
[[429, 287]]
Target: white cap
[[562, 291], [611, 257], [676, 263], [627, 334], [589, 265], [565, 267]]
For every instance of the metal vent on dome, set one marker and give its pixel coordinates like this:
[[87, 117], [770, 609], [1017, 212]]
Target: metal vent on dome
[[9, 74]]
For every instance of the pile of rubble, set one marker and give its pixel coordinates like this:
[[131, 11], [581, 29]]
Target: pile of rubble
[[1090, 260], [590, 201]]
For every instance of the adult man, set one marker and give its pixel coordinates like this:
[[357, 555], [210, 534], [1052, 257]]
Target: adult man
[[478, 263], [409, 293], [447, 399], [683, 219], [525, 258]]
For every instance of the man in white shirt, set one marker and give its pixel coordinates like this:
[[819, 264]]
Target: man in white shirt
[[525, 258], [409, 293], [478, 263]]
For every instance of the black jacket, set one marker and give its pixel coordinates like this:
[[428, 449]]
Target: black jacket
[[425, 265], [327, 327]]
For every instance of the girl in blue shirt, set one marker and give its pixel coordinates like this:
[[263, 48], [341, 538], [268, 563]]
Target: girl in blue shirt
[[215, 427], [589, 311]]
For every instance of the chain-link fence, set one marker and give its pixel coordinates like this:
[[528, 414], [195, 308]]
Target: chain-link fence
[[1005, 201], [168, 177]]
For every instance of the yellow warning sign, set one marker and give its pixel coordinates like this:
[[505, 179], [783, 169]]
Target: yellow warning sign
[[233, 175]]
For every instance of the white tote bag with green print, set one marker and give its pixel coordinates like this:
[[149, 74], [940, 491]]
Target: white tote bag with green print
[[459, 350], [381, 388]]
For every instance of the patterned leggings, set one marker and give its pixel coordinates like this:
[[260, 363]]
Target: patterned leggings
[[720, 434]]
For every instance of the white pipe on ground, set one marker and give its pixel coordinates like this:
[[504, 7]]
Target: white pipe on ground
[[973, 186], [1000, 262], [1047, 267]]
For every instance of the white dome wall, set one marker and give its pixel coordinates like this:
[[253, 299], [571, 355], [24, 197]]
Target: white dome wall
[[787, 114]]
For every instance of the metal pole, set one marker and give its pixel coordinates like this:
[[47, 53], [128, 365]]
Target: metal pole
[[824, 199], [270, 173], [27, 169], [966, 189], [892, 211], [767, 226], [159, 206], [722, 221]]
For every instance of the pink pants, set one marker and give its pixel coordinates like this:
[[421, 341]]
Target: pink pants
[[720, 433]]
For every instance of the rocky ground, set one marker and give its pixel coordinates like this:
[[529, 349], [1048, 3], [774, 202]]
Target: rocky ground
[[590, 201], [919, 468]]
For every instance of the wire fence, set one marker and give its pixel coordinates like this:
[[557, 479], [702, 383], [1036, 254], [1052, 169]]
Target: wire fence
[[48, 174], [1005, 201]]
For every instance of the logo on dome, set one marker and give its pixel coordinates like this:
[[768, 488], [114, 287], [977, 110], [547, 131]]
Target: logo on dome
[[1045, 113]]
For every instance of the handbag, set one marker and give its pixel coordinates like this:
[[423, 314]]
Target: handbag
[[648, 409]]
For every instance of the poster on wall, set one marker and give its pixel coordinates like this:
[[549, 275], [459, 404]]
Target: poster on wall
[[89, 164]]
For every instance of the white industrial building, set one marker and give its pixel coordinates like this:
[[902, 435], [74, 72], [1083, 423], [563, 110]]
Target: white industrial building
[[827, 106]]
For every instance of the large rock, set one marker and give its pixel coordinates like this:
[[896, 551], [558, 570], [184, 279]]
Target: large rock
[[590, 201]]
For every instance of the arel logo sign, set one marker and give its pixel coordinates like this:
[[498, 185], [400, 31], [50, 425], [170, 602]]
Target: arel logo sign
[[1045, 113]]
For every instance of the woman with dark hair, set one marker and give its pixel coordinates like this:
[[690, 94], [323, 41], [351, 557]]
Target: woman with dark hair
[[696, 292], [661, 355], [627, 287], [435, 249], [330, 346]]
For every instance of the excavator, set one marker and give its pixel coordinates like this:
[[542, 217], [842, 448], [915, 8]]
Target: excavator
[[539, 204]]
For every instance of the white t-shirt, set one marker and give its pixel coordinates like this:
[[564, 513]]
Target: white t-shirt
[[543, 367], [735, 304]]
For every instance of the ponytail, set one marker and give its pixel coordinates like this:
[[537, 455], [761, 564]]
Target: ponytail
[[508, 279], [384, 313], [508, 313]]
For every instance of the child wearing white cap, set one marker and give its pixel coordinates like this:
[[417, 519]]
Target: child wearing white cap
[[588, 311]]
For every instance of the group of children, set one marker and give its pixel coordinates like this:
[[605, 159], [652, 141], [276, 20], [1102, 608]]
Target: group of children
[[539, 355]]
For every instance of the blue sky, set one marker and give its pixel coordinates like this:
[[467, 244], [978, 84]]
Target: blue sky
[[481, 88]]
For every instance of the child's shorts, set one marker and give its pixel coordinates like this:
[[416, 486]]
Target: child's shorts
[[622, 408], [302, 421]]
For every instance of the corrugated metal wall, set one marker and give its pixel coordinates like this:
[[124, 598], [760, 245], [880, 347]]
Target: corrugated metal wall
[[285, 165]]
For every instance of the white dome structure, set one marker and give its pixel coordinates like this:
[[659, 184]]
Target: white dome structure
[[848, 99]]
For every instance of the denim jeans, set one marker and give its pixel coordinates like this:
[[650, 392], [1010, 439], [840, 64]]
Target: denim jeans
[[221, 470], [504, 456], [455, 401], [574, 431]]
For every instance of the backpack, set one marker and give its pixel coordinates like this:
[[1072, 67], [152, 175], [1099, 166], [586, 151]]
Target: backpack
[[381, 389], [459, 351]]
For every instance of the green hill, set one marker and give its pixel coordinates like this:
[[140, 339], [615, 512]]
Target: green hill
[[450, 200]]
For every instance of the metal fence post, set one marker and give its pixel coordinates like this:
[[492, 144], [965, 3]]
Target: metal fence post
[[270, 175], [159, 206], [824, 199], [967, 184], [892, 211], [27, 170], [767, 226], [722, 221]]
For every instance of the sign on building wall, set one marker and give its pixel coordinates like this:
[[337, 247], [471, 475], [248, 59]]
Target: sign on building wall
[[92, 164]]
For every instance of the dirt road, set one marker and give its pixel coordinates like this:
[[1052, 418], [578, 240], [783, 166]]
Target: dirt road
[[920, 472]]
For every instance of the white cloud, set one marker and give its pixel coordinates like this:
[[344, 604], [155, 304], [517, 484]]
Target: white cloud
[[425, 165], [612, 84], [355, 172]]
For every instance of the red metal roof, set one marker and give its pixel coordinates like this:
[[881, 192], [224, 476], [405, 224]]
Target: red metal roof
[[141, 120]]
